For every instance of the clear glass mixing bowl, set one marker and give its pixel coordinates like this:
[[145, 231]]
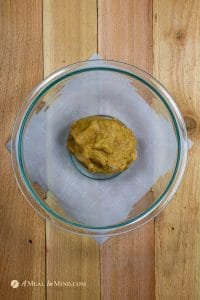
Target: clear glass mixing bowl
[[57, 186]]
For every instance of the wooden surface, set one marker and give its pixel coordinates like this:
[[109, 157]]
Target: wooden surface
[[161, 259], [127, 261], [177, 64], [70, 35], [22, 231]]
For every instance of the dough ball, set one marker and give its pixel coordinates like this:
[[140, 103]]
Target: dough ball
[[102, 145]]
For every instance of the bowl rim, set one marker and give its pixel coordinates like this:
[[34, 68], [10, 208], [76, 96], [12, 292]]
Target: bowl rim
[[138, 74]]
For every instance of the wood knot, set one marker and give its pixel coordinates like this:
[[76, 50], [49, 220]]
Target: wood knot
[[40, 106], [191, 124], [180, 36]]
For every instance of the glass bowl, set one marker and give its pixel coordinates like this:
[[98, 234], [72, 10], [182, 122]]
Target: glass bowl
[[59, 187]]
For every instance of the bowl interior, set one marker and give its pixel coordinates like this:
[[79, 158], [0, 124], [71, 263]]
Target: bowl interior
[[49, 172]]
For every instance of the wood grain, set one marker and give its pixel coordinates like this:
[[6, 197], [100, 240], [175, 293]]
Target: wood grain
[[125, 34], [125, 31], [177, 64], [22, 231], [128, 262], [70, 35], [70, 32]]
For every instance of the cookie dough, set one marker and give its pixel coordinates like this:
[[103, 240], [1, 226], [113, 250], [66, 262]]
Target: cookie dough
[[102, 145]]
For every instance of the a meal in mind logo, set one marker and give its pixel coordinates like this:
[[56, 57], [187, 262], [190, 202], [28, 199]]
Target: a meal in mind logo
[[26, 283]]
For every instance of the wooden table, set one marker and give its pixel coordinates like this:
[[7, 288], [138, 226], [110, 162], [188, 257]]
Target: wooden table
[[161, 259]]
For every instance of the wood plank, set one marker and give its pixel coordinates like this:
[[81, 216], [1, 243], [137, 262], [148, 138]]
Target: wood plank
[[70, 32], [70, 35], [125, 34], [177, 64], [22, 231]]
